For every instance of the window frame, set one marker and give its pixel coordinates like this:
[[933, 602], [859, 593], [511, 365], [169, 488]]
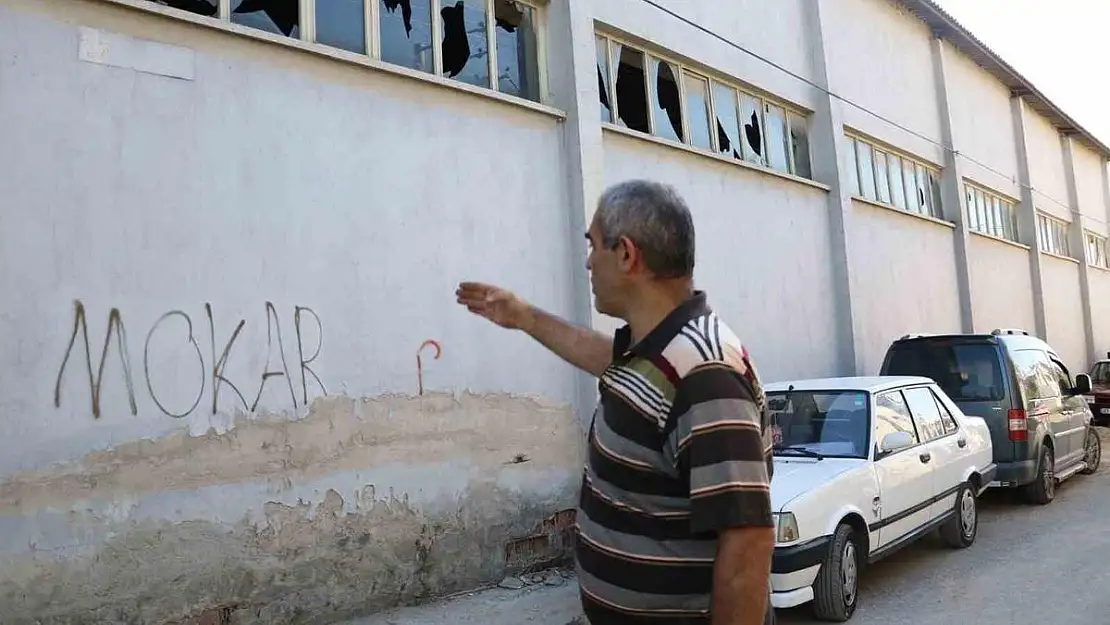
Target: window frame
[[995, 217], [934, 207], [1101, 244], [878, 454], [372, 34], [712, 79], [1052, 235]]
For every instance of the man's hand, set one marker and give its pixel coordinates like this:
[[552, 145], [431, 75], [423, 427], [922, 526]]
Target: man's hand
[[498, 305], [742, 576]]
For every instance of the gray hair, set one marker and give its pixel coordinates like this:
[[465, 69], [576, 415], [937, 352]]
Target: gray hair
[[655, 217]]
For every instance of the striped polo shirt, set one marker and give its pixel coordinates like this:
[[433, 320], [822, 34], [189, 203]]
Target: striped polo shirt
[[678, 449]]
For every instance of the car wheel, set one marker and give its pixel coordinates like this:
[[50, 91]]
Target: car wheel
[[836, 589], [1092, 451], [1043, 489], [960, 531]]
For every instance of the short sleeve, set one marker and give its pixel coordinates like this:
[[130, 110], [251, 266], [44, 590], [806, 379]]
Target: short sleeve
[[723, 449]]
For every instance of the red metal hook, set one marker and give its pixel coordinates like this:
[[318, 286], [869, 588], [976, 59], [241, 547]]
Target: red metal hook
[[420, 365]]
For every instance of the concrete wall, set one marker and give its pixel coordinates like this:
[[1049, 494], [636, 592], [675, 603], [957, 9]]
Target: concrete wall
[[1090, 188], [1046, 167], [905, 274], [1063, 311], [747, 223], [329, 211], [1100, 311], [1001, 285]]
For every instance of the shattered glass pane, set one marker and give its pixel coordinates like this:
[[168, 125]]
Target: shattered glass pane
[[405, 28], [631, 88], [667, 107], [603, 91], [751, 115], [465, 45], [776, 138], [281, 17], [518, 66], [208, 8], [341, 24], [728, 120], [799, 143]]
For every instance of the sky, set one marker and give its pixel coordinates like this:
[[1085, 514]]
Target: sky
[[1055, 44]]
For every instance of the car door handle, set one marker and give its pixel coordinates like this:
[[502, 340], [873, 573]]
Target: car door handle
[[925, 457], [962, 442]]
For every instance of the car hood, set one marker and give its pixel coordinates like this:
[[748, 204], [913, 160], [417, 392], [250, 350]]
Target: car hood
[[797, 476]]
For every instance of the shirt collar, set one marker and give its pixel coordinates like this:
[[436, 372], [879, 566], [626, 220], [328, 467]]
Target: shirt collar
[[661, 335]]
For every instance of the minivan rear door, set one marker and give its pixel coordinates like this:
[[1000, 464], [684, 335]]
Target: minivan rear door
[[970, 369]]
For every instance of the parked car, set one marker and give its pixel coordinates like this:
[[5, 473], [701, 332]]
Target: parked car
[[1040, 421], [863, 467], [1099, 399]]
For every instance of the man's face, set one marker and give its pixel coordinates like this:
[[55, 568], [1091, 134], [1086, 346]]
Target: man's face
[[608, 273]]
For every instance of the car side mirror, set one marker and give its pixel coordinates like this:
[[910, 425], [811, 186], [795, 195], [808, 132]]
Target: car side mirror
[[895, 441], [1082, 384]]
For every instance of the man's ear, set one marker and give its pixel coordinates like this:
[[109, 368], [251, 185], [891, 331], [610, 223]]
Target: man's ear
[[628, 255]]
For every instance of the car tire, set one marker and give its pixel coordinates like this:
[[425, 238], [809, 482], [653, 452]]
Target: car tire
[[960, 531], [1092, 451], [1043, 488], [836, 589]]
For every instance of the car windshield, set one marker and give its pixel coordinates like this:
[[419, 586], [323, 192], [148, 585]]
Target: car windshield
[[1100, 374], [966, 371], [830, 423]]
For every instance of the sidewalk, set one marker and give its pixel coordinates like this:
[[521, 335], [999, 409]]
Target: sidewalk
[[544, 599]]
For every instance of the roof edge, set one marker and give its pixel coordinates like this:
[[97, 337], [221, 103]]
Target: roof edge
[[947, 27]]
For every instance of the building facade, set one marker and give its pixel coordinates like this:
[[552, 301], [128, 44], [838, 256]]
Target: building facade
[[235, 380]]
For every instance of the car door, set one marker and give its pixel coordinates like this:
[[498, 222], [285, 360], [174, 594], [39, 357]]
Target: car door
[[940, 435], [905, 476], [1073, 410]]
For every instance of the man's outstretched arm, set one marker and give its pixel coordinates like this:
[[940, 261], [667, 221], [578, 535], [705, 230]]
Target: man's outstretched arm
[[587, 349]]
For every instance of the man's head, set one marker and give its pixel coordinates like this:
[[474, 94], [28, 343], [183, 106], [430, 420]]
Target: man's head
[[641, 240]]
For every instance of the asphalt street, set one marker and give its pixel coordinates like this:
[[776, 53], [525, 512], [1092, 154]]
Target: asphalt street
[[1029, 564]]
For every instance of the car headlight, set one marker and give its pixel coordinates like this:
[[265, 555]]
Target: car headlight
[[786, 527], [1090, 399]]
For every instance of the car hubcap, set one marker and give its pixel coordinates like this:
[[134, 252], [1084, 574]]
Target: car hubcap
[[849, 572], [967, 513]]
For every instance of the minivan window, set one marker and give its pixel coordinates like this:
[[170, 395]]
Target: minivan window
[[965, 371], [1036, 374]]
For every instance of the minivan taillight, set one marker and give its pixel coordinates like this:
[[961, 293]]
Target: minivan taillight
[[1018, 425]]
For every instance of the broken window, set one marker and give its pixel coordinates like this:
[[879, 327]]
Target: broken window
[[882, 176], [897, 184], [405, 31], [667, 108], [799, 145], [852, 166], [923, 190], [465, 44], [697, 108], [208, 8], [517, 51], [728, 120], [776, 138], [913, 203], [602, 46], [751, 116], [631, 88], [341, 24], [281, 17]]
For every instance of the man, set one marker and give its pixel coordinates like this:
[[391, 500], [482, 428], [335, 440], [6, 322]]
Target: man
[[674, 521]]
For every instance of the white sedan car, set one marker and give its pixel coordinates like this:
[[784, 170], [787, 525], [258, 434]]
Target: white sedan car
[[863, 467]]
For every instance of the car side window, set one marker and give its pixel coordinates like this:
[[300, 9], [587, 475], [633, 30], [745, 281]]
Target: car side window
[[1035, 374], [946, 418], [1062, 377], [925, 412], [892, 415]]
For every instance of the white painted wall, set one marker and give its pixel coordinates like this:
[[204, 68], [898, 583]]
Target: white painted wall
[[1089, 184], [1001, 285], [763, 252], [1100, 310], [754, 24], [1063, 312], [982, 123], [268, 176], [880, 59], [905, 276], [1046, 166]]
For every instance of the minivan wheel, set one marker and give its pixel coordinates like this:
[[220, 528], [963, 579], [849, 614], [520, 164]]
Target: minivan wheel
[[1092, 451], [836, 589], [1043, 489], [959, 532]]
